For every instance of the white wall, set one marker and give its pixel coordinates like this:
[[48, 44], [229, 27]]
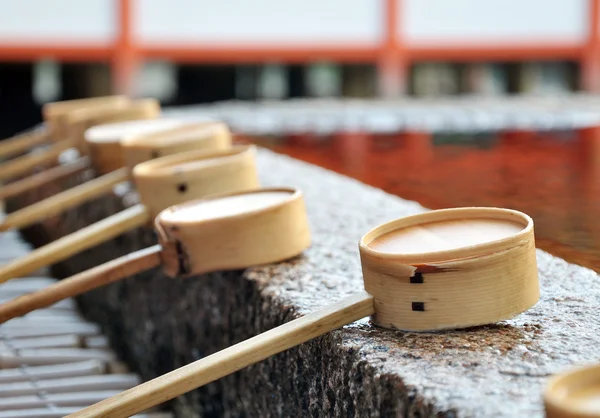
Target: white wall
[[45, 21], [300, 22], [477, 21], [275, 22]]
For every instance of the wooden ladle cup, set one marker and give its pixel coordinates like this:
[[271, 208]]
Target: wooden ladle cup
[[221, 232], [161, 183], [574, 393], [75, 123], [444, 269], [54, 130], [111, 146]]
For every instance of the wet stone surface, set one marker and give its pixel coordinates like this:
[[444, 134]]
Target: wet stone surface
[[157, 323]]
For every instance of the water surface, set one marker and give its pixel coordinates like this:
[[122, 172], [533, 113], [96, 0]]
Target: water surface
[[553, 177]]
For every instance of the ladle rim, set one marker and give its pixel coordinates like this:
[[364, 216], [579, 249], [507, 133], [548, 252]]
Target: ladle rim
[[558, 401], [118, 138], [86, 113], [143, 140], [294, 193], [467, 251], [163, 166]]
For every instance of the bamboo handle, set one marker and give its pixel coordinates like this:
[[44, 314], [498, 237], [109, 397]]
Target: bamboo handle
[[232, 359], [23, 142], [26, 163], [101, 275], [40, 179], [64, 201], [76, 242]]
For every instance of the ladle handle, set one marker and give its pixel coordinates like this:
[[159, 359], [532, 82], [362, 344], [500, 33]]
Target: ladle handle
[[40, 179], [232, 359], [23, 142], [27, 163], [65, 200], [93, 278], [76, 242]]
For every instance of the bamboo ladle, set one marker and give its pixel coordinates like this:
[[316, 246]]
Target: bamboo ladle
[[574, 393], [107, 127], [161, 183], [445, 269], [109, 170], [54, 130], [76, 123], [115, 149], [66, 120], [221, 232], [56, 113]]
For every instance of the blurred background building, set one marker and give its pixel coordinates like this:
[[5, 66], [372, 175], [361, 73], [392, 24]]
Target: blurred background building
[[198, 51]]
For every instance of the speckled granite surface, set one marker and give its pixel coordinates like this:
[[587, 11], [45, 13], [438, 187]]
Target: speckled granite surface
[[361, 371]]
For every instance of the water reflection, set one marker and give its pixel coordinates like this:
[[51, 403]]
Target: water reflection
[[554, 177]]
